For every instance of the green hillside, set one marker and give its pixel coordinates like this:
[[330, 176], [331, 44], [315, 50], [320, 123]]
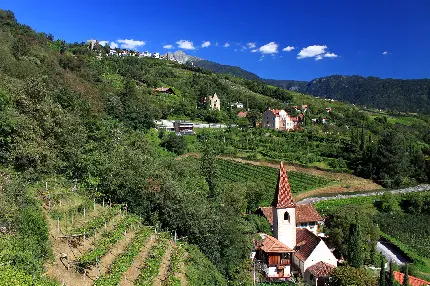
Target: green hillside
[[83, 121]]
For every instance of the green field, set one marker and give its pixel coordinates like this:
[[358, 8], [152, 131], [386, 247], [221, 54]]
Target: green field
[[267, 177]]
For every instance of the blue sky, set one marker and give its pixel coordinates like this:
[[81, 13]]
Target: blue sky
[[367, 37]]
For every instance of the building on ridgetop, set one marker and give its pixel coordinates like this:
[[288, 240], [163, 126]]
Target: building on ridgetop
[[215, 103], [279, 120], [295, 247]]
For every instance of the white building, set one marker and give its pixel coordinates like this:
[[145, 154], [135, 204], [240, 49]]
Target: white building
[[215, 103], [146, 54], [237, 105], [156, 55], [278, 120]]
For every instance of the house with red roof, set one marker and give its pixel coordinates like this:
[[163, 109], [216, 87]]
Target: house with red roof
[[242, 114], [413, 281], [279, 119], [295, 247]]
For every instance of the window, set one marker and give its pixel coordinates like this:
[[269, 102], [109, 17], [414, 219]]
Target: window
[[286, 216]]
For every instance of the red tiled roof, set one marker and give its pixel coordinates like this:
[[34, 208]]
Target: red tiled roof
[[413, 281], [242, 114], [268, 213], [283, 196], [307, 213], [320, 269], [306, 242], [272, 245]]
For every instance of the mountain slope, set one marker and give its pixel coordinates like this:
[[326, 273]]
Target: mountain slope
[[226, 69]]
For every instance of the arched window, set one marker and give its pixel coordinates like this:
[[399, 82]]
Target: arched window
[[286, 216]]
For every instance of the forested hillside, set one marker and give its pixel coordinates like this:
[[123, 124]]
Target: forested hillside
[[72, 114], [226, 69], [67, 115], [389, 94]]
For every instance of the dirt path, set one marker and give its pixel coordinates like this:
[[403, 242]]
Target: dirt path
[[344, 183], [57, 269], [105, 262], [133, 272], [164, 266]]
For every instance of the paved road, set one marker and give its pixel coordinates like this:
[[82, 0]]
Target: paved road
[[419, 188], [392, 253]]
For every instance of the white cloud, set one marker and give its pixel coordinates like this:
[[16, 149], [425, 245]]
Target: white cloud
[[385, 53], [254, 51], [216, 44], [226, 45], [330, 55], [130, 44], [103, 43], [319, 57], [270, 48], [251, 45], [311, 51], [288, 49], [169, 47], [113, 45], [186, 45], [206, 44]]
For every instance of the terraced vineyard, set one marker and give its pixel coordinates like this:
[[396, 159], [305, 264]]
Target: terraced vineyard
[[267, 177], [97, 244]]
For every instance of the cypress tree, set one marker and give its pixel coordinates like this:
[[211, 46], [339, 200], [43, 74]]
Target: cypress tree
[[382, 273], [406, 279], [362, 143], [390, 281], [355, 249]]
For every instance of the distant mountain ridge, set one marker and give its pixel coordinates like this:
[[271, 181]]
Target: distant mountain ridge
[[411, 95]]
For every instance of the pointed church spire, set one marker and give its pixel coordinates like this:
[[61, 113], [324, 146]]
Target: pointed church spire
[[283, 196]]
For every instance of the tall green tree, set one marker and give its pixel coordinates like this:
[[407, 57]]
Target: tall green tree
[[382, 273], [406, 278], [391, 280], [355, 248], [392, 159], [208, 166]]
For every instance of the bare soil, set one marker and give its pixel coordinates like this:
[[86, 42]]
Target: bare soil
[[106, 261], [58, 268], [164, 266], [133, 272]]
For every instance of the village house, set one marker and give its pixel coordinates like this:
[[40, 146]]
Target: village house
[[242, 114], [279, 120], [167, 90], [237, 105], [295, 247], [215, 103], [145, 54], [182, 127]]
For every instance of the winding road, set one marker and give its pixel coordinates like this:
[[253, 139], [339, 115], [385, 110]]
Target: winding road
[[419, 188]]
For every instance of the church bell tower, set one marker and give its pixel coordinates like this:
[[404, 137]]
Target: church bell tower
[[284, 211]]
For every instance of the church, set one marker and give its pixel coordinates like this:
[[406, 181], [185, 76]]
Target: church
[[295, 247]]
